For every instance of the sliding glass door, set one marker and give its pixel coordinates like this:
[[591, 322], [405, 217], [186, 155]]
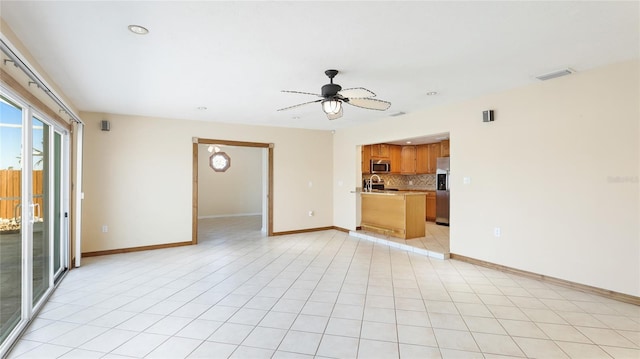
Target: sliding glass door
[[33, 212], [39, 208], [11, 119], [58, 208]]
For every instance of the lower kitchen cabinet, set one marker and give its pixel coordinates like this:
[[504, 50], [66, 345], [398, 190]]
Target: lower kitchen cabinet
[[431, 206], [400, 214]]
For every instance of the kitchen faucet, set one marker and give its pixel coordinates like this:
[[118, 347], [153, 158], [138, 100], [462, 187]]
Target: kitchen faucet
[[370, 183]]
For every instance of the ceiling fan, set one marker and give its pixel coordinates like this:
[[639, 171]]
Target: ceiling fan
[[333, 96]]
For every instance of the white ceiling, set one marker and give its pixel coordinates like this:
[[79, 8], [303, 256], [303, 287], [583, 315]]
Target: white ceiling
[[235, 57]]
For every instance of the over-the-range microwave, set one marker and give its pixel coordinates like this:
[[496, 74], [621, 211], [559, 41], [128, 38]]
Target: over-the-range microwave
[[380, 166]]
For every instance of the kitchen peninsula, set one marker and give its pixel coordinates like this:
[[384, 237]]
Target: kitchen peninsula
[[394, 213]]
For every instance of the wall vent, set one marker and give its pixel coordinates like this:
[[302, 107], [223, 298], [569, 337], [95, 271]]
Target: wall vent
[[554, 74]]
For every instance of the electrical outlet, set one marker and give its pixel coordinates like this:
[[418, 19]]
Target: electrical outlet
[[497, 232], [410, 183], [310, 184], [466, 180], [105, 229]]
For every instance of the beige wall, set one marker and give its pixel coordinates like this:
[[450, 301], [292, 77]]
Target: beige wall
[[138, 178], [237, 191], [557, 171]]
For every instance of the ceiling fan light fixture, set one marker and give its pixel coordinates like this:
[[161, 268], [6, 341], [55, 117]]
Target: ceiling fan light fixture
[[331, 106]]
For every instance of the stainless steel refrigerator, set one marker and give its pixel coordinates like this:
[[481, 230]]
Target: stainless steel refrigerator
[[442, 191]]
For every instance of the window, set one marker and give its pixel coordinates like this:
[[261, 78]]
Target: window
[[220, 161]]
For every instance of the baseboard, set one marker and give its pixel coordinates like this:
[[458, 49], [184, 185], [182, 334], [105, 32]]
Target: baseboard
[[230, 215], [622, 297], [298, 231], [311, 230], [135, 249]]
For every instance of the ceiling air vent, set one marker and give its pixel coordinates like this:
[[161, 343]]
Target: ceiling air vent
[[554, 74]]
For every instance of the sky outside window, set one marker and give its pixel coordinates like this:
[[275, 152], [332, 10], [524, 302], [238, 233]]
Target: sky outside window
[[11, 137]]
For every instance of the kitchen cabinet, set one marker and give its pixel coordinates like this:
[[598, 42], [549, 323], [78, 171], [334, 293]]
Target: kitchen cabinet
[[366, 159], [431, 206], [380, 151], [422, 159], [395, 158], [434, 153], [398, 215], [444, 148], [408, 155]]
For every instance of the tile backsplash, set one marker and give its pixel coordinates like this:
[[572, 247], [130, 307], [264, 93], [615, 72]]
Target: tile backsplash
[[419, 182]]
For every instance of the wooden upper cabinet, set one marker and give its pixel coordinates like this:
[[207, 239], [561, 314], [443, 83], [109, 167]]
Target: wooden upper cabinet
[[395, 158], [434, 153], [380, 151], [422, 159], [366, 159], [444, 148], [408, 160]]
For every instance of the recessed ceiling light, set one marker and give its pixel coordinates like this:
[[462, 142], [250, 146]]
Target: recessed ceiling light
[[408, 142], [432, 93], [137, 29], [201, 108]]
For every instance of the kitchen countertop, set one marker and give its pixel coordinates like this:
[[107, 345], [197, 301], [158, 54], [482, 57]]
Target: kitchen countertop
[[421, 189], [395, 193]]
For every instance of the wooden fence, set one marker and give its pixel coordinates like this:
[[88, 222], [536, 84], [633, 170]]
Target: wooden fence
[[10, 192]]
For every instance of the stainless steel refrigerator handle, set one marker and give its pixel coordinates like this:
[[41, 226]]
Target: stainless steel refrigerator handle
[[447, 180]]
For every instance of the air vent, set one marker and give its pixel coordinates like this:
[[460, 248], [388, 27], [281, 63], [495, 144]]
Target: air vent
[[554, 74], [398, 114]]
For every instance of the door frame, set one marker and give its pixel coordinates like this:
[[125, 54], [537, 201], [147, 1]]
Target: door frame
[[207, 141]]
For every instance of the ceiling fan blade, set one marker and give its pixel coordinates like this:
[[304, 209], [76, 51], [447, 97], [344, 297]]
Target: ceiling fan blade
[[369, 103], [357, 92], [335, 116], [298, 105], [302, 93]]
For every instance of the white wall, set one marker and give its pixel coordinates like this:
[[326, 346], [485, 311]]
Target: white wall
[[138, 178], [237, 191], [557, 171]]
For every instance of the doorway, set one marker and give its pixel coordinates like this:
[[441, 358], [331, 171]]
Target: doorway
[[266, 184], [413, 165]]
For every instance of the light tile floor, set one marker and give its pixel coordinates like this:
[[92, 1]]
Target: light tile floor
[[325, 294], [435, 243]]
